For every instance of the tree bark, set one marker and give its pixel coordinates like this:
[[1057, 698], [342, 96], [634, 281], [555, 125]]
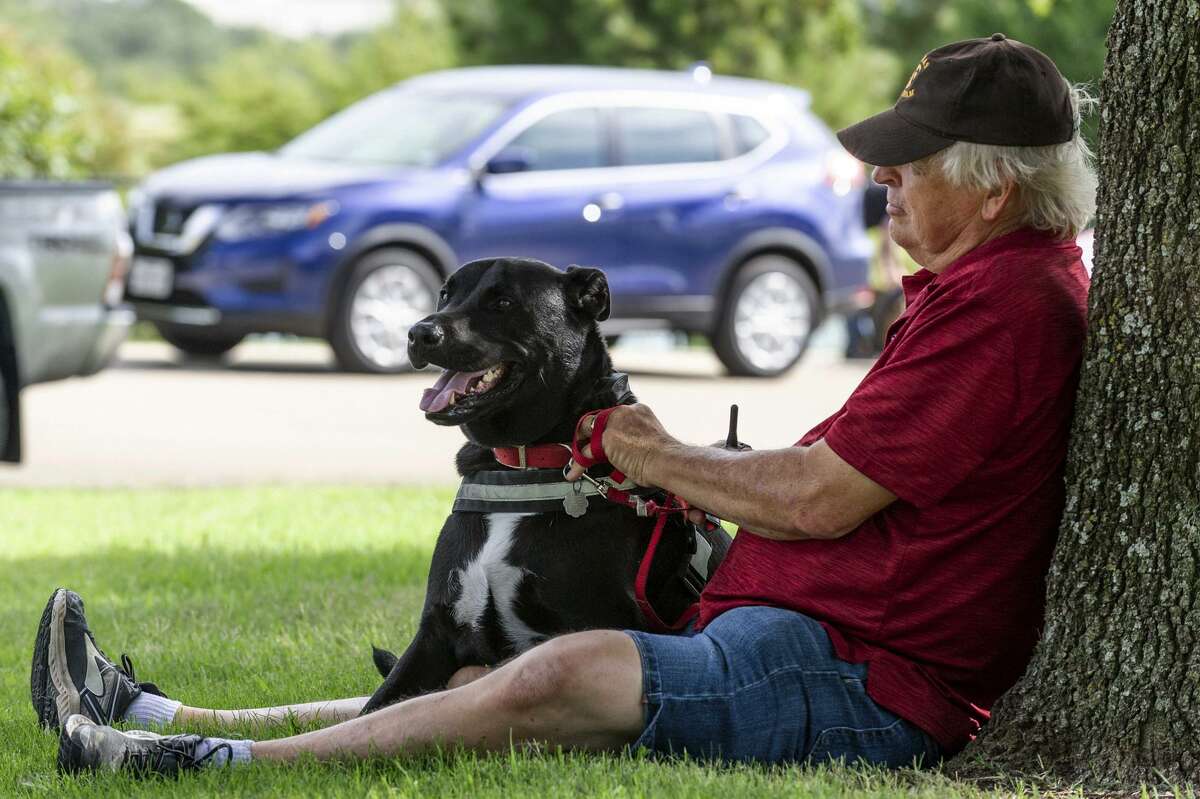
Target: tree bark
[[1113, 692]]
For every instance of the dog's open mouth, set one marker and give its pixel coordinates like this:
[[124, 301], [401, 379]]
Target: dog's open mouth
[[456, 389]]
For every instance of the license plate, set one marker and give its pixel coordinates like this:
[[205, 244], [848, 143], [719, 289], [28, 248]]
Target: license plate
[[151, 277]]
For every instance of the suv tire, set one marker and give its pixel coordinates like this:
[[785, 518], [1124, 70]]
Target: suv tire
[[196, 343], [768, 316], [397, 282]]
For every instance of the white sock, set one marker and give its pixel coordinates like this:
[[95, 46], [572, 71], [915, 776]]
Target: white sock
[[150, 708], [238, 751]]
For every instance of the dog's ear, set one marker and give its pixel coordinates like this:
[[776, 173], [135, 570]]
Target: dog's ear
[[587, 291]]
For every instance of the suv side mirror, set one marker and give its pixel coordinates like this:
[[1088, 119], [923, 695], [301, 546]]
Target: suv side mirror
[[509, 160]]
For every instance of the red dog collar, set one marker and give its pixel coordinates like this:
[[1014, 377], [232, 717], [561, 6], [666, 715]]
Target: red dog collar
[[538, 456]]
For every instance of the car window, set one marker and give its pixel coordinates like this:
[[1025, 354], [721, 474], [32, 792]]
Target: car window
[[666, 136], [571, 139], [748, 132], [400, 127]]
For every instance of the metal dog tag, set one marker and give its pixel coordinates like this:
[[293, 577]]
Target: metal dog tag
[[575, 505]]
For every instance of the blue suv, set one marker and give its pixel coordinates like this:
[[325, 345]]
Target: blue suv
[[715, 205]]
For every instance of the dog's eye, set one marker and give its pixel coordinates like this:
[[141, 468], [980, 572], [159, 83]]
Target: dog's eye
[[443, 296], [501, 304]]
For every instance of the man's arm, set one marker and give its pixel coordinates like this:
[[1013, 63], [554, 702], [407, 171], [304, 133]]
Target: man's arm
[[786, 494]]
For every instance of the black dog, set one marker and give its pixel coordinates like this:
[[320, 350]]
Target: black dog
[[524, 359]]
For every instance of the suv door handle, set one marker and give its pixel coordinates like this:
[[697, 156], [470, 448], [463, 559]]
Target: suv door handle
[[739, 194], [610, 201]]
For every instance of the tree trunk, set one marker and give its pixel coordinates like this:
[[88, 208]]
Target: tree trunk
[[1113, 691]]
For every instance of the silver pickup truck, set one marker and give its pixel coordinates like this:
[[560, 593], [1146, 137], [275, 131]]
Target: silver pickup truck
[[64, 251]]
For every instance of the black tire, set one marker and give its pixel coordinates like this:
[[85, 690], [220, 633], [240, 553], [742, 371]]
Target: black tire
[[724, 339], [351, 356], [198, 343], [10, 387]]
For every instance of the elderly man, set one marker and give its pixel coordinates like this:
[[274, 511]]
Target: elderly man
[[887, 584]]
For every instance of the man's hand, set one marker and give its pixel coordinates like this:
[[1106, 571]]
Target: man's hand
[[631, 440], [787, 494]]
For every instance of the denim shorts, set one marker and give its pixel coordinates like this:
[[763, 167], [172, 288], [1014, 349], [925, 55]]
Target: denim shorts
[[763, 684]]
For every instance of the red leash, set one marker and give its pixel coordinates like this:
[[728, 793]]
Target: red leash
[[643, 507], [555, 456]]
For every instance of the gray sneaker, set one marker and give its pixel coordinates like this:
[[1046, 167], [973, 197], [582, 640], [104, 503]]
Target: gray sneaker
[[87, 746], [70, 674]]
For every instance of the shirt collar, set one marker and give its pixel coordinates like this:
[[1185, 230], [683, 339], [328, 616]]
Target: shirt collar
[[917, 282]]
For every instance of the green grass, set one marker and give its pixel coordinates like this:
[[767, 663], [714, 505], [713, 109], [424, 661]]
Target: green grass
[[235, 598]]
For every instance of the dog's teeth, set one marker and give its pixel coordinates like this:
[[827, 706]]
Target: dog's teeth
[[453, 397]]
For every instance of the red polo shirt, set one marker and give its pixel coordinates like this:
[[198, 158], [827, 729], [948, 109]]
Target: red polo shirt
[[964, 418]]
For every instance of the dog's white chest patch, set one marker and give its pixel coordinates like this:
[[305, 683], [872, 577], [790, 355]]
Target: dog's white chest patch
[[490, 575]]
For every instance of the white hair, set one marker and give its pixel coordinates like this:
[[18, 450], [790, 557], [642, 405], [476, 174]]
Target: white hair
[[1056, 183]]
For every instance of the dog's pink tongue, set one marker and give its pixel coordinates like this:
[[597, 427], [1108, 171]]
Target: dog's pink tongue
[[438, 397]]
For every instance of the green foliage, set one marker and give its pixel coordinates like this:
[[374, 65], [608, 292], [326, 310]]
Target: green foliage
[[187, 86], [130, 44], [815, 44], [255, 99], [259, 97], [1072, 32], [53, 122]]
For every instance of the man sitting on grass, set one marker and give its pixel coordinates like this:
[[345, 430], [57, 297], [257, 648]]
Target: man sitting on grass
[[887, 585]]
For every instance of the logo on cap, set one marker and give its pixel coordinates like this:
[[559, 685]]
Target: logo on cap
[[909, 91]]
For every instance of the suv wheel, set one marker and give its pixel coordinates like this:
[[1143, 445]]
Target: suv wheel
[[389, 291], [197, 343], [770, 312]]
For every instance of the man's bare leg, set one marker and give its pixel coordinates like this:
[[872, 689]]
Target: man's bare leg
[[580, 691], [327, 712], [330, 711]]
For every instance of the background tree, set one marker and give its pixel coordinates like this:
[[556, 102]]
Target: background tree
[[815, 44], [1113, 692], [53, 122], [260, 96], [1071, 31], [178, 84]]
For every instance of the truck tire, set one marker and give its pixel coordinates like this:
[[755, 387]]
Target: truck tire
[[196, 343], [10, 387], [388, 291], [767, 317]]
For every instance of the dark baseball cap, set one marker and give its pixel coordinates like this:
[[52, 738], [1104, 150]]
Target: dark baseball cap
[[988, 91]]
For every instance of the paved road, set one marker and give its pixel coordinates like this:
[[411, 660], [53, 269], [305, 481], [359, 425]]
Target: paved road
[[278, 413]]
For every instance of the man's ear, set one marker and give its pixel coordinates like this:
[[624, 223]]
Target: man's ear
[[997, 200], [587, 291]]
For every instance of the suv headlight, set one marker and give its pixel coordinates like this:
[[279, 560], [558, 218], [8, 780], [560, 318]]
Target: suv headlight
[[254, 221]]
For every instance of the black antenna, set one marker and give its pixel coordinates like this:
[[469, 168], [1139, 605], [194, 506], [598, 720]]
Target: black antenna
[[731, 441]]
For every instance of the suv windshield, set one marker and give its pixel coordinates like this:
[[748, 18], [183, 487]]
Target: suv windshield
[[404, 128]]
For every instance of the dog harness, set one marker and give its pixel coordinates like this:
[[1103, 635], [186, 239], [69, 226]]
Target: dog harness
[[534, 482], [531, 489]]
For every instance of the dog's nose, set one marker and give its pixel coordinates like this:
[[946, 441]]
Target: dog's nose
[[427, 334]]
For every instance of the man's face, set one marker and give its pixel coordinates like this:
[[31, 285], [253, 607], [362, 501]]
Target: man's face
[[928, 215]]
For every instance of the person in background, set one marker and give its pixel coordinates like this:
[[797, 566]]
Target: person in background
[[867, 327]]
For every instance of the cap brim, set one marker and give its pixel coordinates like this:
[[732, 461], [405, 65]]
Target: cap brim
[[886, 139]]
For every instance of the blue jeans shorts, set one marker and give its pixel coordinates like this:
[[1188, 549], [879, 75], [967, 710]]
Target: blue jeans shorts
[[763, 684]]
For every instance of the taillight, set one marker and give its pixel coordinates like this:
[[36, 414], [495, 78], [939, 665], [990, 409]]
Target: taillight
[[843, 172], [114, 286]]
